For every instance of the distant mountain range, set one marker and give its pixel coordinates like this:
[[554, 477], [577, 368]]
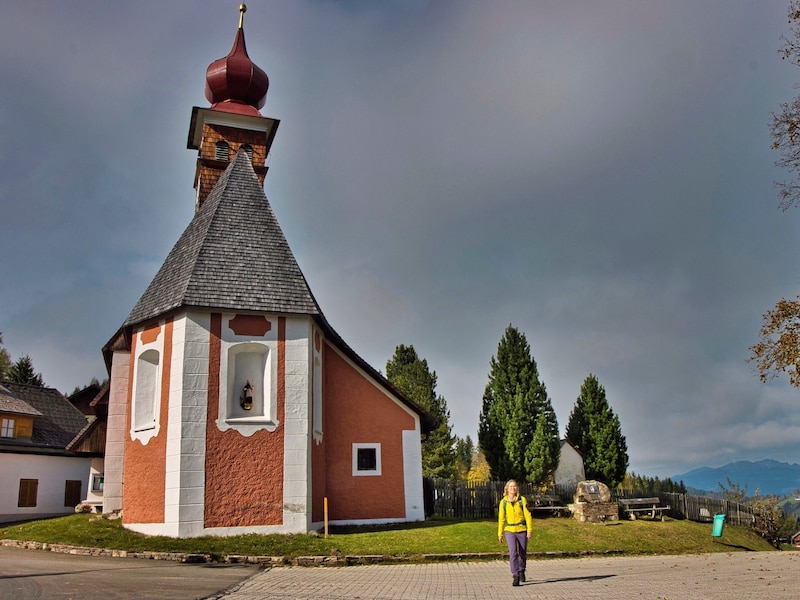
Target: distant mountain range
[[769, 476]]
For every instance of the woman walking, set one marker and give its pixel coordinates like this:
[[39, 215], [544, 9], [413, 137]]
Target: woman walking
[[514, 521]]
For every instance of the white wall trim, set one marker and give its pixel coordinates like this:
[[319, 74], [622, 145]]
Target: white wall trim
[[147, 432], [232, 345], [412, 476], [378, 470]]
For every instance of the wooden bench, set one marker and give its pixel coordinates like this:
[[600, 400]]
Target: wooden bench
[[634, 506], [548, 503]]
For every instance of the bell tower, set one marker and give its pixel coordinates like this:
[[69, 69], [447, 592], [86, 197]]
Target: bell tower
[[237, 89]]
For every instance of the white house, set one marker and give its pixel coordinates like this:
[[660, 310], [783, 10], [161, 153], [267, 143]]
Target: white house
[[570, 469], [41, 477]]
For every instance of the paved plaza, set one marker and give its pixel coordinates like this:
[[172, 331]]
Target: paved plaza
[[36, 574], [740, 575]]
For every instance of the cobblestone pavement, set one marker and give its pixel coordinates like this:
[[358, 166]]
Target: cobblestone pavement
[[740, 575]]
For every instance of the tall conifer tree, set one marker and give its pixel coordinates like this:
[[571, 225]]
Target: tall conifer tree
[[22, 372], [595, 431], [410, 374], [518, 430], [464, 449], [5, 360]]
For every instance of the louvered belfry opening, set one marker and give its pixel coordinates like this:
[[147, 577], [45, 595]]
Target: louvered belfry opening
[[222, 151]]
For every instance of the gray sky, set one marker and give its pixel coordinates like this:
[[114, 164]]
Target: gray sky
[[598, 174]]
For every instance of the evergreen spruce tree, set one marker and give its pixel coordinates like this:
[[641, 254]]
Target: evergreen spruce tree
[[594, 430], [22, 372], [490, 436], [518, 430], [411, 375], [5, 360], [464, 450]]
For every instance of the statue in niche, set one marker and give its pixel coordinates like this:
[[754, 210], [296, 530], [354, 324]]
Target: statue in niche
[[246, 399]]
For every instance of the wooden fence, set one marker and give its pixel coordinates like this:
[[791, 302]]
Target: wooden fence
[[479, 500], [471, 500], [703, 509]]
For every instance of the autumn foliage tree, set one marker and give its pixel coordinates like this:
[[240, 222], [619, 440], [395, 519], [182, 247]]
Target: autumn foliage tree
[[785, 124], [777, 349]]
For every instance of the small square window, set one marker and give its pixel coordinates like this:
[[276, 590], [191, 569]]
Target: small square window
[[366, 459], [97, 484]]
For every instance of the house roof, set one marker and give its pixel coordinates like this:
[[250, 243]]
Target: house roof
[[92, 437], [82, 399], [233, 255], [566, 442], [58, 421], [84, 442], [10, 404], [100, 402]]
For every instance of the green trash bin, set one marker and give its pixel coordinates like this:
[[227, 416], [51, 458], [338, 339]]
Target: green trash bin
[[719, 525]]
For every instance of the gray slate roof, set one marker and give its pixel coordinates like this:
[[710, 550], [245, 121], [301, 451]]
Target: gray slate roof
[[10, 404], [59, 422], [233, 255]]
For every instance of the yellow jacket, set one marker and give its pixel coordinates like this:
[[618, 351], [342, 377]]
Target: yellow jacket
[[514, 516]]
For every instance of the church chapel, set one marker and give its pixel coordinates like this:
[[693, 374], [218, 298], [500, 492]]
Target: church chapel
[[234, 406]]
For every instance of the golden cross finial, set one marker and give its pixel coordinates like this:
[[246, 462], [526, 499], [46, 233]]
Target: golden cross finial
[[242, 10]]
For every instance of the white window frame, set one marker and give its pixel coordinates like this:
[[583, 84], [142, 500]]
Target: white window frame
[[9, 428], [147, 390], [263, 378], [378, 467], [264, 414], [145, 424]]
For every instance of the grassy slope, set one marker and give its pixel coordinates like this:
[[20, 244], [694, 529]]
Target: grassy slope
[[433, 537]]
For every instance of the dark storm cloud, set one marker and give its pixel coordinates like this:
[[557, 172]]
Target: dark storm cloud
[[598, 175]]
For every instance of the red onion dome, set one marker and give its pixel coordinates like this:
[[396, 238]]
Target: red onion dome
[[235, 83]]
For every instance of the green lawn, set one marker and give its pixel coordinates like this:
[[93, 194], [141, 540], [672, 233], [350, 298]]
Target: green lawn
[[438, 536]]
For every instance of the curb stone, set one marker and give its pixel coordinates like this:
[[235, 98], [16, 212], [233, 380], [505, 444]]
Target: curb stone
[[300, 561]]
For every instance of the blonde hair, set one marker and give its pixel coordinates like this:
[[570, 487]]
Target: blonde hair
[[508, 483]]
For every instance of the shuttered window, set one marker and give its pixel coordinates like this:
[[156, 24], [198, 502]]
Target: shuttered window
[[28, 490], [72, 492]]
